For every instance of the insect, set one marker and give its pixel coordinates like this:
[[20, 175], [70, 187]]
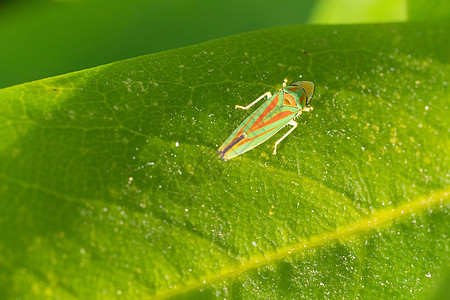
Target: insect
[[276, 112]]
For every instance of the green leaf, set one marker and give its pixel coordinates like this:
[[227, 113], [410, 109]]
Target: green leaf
[[69, 35], [110, 185], [355, 11], [431, 10]]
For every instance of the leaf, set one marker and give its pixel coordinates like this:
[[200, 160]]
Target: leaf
[[90, 33], [350, 11], [421, 10], [110, 185]]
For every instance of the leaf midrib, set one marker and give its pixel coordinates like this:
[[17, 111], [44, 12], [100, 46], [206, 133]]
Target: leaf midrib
[[377, 220]]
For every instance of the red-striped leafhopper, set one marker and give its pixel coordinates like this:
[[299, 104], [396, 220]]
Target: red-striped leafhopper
[[276, 112]]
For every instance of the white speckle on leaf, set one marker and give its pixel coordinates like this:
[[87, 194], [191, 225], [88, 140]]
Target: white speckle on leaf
[[128, 84]]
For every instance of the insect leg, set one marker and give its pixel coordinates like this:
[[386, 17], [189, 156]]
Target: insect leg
[[294, 124], [268, 95]]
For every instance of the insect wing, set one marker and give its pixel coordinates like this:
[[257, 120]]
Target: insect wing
[[267, 120]]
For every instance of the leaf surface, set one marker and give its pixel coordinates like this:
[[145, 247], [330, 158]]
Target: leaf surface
[[110, 184]]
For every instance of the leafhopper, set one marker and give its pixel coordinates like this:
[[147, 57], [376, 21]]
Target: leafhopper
[[276, 112]]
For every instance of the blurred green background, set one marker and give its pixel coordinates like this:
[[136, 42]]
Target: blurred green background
[[42, 38]]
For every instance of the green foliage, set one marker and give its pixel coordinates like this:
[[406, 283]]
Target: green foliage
[[423, 10], [356, 11], [48, 37], [110, 184]]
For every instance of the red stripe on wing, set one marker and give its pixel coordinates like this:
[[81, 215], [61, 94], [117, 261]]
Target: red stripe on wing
[[271, 105], [268, 109], [276, 118]]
